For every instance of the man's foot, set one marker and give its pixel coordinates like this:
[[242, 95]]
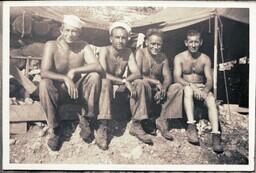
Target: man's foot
[[102, 136], [192, 134], [54, 141], [163, 127], [85, 132], [216, 143], [149, 127], [137, 131]]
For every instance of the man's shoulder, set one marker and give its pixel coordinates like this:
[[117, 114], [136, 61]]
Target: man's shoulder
[[51, 43], [105, 49], [205, 57], [181, 55], [140, 52]]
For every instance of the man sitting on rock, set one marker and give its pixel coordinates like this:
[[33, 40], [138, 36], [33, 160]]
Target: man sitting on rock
[[117, 59], [154, 67], [192, 69], [63, 62]]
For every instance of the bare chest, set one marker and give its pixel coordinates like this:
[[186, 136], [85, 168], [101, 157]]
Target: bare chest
[[151, 67], [193, 66], [117, 65], [64, 60]]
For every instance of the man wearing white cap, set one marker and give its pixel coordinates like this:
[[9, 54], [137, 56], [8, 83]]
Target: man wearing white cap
[[116, 59], [63, 62]]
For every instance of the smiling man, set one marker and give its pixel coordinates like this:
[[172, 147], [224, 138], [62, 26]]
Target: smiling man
[[121, 69], [192, 69], [155, 70], [63, 62]]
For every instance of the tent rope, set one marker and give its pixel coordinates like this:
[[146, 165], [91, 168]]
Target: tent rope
[[23, 24], [220, 34]]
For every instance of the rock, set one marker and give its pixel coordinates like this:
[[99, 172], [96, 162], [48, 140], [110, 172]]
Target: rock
[[228, 154], [17, 142], [28, 101], [126, 155], [12, 141], [42, 133], [182, 130], [136, 152]]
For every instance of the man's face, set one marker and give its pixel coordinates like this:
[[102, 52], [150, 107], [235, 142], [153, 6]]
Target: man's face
[[70, 33], [154, 44], [193, 43], [119, 38]]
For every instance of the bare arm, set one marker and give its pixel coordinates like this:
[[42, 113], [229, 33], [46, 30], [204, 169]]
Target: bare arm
[[103, 55], [208, 75], [166, 74], [47, 69], [139, 59], [92, 65], [133, 68], [178, 72]]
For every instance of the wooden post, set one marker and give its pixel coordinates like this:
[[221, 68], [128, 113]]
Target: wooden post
[[215, 65]]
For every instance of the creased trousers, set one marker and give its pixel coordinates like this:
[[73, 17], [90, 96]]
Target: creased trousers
[[139, 105], [53, 93], [173, 106]]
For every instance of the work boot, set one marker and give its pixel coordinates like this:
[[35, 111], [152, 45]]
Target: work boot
[[163, 127], [216, 143], [192, 134], [149, 127], [85, 132], [54, 141], [137, 131], [102, 135]]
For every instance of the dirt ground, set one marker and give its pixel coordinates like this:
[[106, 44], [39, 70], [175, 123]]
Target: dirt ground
[[126, 149]]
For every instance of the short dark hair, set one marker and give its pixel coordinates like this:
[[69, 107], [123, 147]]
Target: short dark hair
[[154, 31], [193, 32]]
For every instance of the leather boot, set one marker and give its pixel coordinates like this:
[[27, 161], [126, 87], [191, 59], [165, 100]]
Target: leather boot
[[216, 143], [192, 134], [163, 127], [137, 131], [85, 132], [101, 135], [54, 141]]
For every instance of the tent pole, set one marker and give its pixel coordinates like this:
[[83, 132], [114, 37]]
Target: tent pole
[[215, 65]]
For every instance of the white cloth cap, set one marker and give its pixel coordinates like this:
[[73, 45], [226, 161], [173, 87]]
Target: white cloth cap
[[73, 20], [120, 24]]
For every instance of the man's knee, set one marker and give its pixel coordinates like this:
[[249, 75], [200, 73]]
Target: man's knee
[[139, 83], [94, 77], [106, 84], [210, 100], [188, 91], [45, 84]]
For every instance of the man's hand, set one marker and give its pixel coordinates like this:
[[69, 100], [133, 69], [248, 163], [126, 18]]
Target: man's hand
[[199, 92], [131, 89], [71, 74], [72, 90], [162, 90]]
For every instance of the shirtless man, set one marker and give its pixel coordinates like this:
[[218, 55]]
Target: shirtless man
[[192, 69], [154, 67], [116, 59], [63, 62]]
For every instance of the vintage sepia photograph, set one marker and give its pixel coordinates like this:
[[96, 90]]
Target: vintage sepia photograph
[[128, 86]]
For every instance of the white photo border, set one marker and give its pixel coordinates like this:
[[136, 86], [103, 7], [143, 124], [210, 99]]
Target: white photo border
[[206, 4]]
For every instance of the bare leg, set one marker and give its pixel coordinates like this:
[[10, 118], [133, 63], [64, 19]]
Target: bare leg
[[189, 104], [213, 117], [212, 112]]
